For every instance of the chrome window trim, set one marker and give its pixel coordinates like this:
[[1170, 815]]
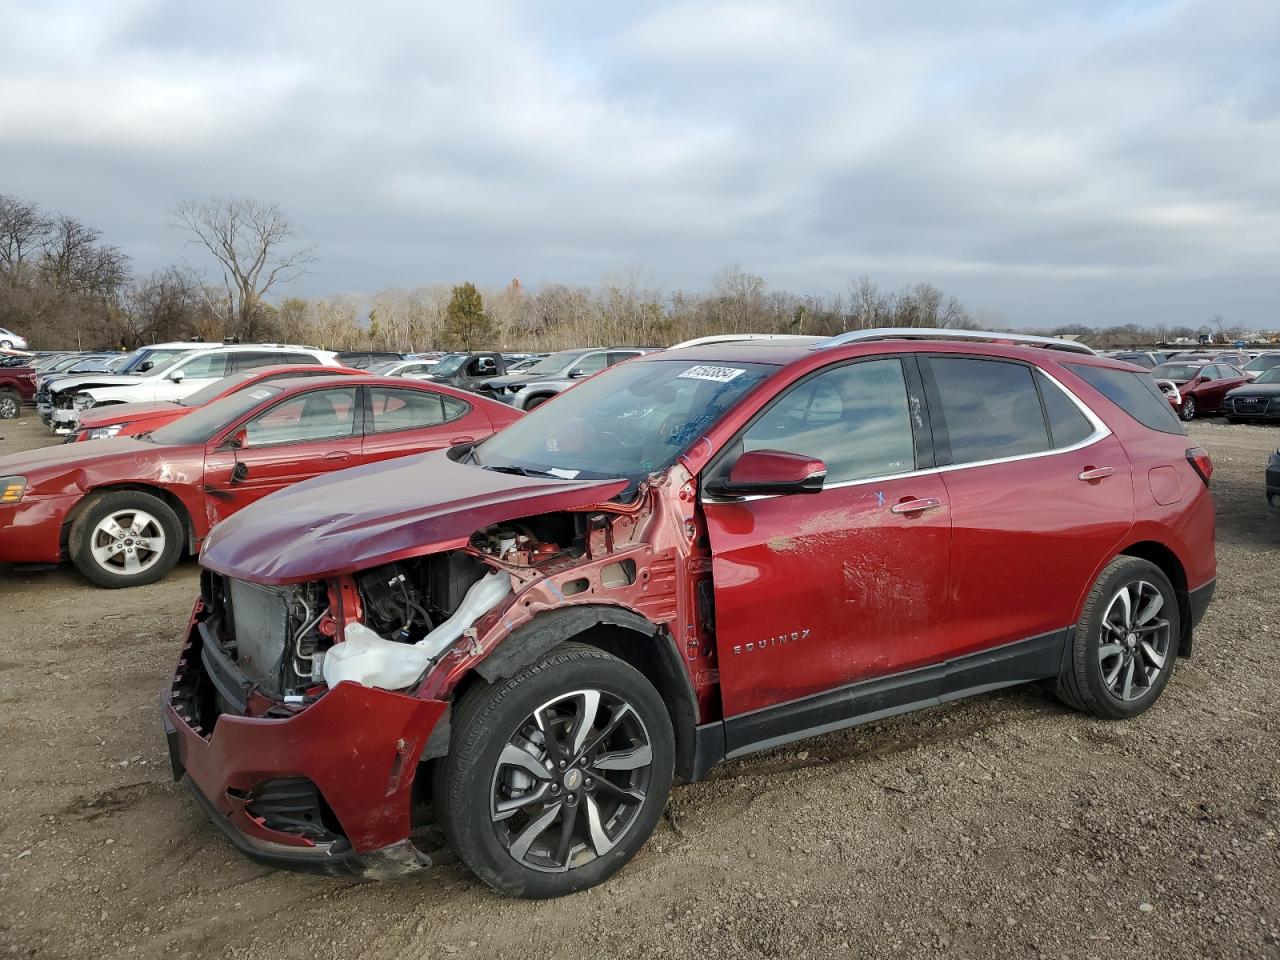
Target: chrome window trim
[[1100, 432]]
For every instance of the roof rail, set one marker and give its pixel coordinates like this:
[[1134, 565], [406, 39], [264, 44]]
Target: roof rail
[[943, 333], [736, 337]]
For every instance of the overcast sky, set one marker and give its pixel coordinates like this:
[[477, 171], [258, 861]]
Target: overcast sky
[[1050, 161]]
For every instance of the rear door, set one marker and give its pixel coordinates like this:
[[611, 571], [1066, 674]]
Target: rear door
[[814, 592], [1040, 494], [299, 437], [403, 421]]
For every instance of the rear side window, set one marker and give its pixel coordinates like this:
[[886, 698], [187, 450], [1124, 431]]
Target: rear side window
[[990, 409], [1067, 425], [395, 409], [1134, 393]]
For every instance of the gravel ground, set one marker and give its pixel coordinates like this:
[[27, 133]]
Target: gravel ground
[[1002, 826]]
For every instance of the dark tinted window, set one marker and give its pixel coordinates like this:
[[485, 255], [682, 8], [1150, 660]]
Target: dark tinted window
[[292, 358], [248, 359], [990, 408], [1134, 393], [411, 409], [854, 418], [1067, 425], [619, 356]]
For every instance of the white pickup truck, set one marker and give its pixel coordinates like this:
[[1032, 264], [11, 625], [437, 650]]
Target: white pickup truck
[[182, 377]]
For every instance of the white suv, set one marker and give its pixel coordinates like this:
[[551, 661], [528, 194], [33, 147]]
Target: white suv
[[182, 377]]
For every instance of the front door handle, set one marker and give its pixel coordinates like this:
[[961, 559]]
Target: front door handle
[[916, 506], [456, 440], [338, 455], [1097, 473]]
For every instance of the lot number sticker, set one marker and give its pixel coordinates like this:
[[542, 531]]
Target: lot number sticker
[[716, 374]]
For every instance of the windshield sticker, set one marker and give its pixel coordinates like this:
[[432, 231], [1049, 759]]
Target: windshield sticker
[[563, 474], [715, 374]]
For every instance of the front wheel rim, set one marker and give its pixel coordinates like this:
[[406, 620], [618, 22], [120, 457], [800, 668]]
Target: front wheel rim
[[127, 542], [8, 407], [1134, 646], [571, 781], [1189, 408]]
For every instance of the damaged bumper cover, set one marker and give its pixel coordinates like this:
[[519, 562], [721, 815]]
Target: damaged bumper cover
[[358, 747]]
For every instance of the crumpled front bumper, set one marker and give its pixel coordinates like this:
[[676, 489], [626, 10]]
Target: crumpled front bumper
[[359, 746]]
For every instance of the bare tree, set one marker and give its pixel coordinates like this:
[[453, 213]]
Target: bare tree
[[22, 228], [254, 244]]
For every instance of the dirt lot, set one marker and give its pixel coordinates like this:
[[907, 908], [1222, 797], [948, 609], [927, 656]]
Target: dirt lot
[[1003, 826]]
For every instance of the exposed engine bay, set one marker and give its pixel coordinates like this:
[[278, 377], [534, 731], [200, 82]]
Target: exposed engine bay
[[396, 620]]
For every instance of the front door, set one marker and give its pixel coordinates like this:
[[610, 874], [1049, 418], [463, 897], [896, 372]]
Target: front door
[[816, 592], [302, 436]]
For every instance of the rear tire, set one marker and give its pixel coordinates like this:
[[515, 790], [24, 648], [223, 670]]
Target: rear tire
[[125, 539], [1125, 644], [10, 404], [556, 776], [6, 345], [1188, 410]]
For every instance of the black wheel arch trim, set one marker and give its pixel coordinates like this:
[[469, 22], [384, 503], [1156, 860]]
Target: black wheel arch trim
[[533, 640]]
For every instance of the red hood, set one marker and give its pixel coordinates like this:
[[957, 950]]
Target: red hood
[[131, 413], [368, 516]]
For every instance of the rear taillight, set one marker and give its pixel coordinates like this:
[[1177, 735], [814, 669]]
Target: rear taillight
[[1198, 457]]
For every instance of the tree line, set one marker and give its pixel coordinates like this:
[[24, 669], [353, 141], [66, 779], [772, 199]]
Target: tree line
[[63, 286]]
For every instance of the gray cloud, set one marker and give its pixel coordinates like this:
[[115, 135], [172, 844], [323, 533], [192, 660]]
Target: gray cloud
[[1098, 161]]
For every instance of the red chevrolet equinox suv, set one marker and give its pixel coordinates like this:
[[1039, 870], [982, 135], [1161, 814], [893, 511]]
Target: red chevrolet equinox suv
[[697, 554]]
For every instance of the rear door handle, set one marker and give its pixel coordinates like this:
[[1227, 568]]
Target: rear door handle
[[916, 506], [457, 440], [1097, 473], [338, 455]]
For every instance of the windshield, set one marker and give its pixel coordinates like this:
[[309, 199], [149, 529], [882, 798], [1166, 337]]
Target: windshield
[[630, 421], [1268, 361], [555, 363], [199, 426], [1271, 376], [1176, 371], [449, 364], [216, 389]]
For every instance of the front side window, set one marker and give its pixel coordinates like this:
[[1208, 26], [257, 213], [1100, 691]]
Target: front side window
[[204, 367], [592, 363], [854, 418], [318, 415], [411, 409], [990, 409]]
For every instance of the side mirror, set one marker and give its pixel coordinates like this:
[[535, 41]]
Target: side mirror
[[145, 366], [577, 373], [774, 472], [238, 439], [176, 376]]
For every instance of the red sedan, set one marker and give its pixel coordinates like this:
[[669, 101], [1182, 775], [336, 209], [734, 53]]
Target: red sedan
[[1201, 386], [133, 419], [124, 511]]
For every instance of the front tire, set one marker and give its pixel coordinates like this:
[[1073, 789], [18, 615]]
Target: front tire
[[1125, 643], [10, 404], [1188, 410], [558, 775], [125, 539]]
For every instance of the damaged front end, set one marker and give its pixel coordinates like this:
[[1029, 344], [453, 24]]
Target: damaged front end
[[300, 713]]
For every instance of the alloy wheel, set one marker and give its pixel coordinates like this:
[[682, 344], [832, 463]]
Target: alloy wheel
[[127, 542], [1135, 641], [8, 407], [571, 781], [1188, 408]]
